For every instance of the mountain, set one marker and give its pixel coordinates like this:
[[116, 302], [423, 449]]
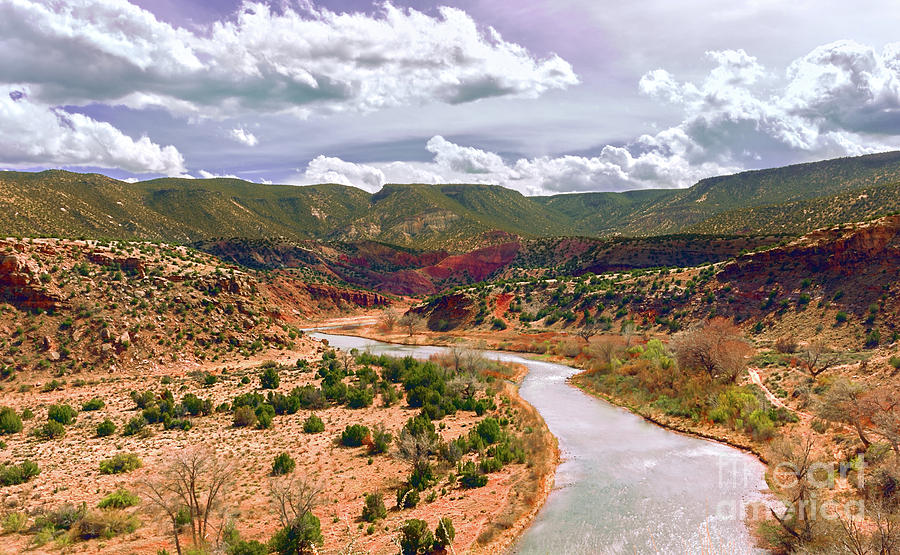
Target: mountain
[[789, 200], [751, 199]]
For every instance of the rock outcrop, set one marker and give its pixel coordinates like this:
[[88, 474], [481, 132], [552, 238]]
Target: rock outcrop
[[20, 285]]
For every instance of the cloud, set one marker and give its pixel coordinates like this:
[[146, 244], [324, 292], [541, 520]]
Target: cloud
[[463, 159], [326, 169], [264, 60], [37, 134], [210, 175], [242, 136]]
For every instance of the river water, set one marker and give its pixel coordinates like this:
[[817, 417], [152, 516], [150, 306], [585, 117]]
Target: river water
[[624, 485]]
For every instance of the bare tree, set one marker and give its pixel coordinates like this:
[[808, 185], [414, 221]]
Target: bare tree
[[715, 347], [389, 318], [415, 448], [411, 322], [817, 358], [886, 417], [793, 465], [848, 402], [628, 332], [294, 499], [588, 330], [195, 482]]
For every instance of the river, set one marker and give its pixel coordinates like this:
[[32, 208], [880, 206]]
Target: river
[[624, 485]]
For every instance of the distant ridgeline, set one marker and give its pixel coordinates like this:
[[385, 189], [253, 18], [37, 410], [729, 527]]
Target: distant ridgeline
[[790, 200]]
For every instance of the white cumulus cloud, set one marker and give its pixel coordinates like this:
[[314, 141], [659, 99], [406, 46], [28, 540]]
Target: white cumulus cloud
[[264, 60], [243, 136], [32, 133]]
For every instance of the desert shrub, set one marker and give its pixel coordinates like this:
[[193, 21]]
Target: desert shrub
[[374, 508], [106, 524], [359, 397], [422, 476], [299, 537], [143, 399], [14, 474], [27, 414], [120, 463], [10, 423], [50, 430], [354, 435], [134, 425], [244, 416], [498, 324], [63, 517], [715, 347], [183, 424], [415, 537], [14, 522], [840, 317], [760, 425], [284, 404], [106, 428], [265, 413], [196, 406], [873, 339], [444, 533], [64, 414], [94, 404], [469, 477], [381, 440], [407, 497], [245, 547], [283, 464], [489, 430], [786, 344], [313, 424], [119, 499], [311, 398], [269, 378], [251, 400]]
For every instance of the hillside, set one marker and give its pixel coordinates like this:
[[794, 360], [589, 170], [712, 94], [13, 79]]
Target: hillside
[[457, 218]]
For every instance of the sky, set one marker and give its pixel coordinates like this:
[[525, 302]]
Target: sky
[[542, 96]]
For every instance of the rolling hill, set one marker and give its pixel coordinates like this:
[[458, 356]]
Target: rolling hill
[[789, 200]]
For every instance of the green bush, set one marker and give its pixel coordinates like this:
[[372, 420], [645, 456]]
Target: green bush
[[381, 440], [120, 463], [106, 524], [50, 430], [840, 317], [94, 404], [64, 414], [489, 430], [359, 397], [298, 538], [10, 423], [313, 424], [407, 497], [106, 428], [354, 435], [374, 508], [14, 474], [265, 413], [415, 537], [269, 378], [283, 464], [895, 362], [244, 416], [444, 533], [134, 425], [119, 499], [14, 522], [251, 547]]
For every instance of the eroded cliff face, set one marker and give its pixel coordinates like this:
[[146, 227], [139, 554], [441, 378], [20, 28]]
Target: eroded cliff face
[[21, 286], [845, 250], [448, 312]]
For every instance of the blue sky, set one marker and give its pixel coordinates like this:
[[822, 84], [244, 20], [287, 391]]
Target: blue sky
[[540, 96]]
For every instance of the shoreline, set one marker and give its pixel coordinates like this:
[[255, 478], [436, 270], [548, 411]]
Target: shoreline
[[672, 425], [506, 537]]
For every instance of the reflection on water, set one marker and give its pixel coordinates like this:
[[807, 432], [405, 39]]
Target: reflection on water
[[625, 485]]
